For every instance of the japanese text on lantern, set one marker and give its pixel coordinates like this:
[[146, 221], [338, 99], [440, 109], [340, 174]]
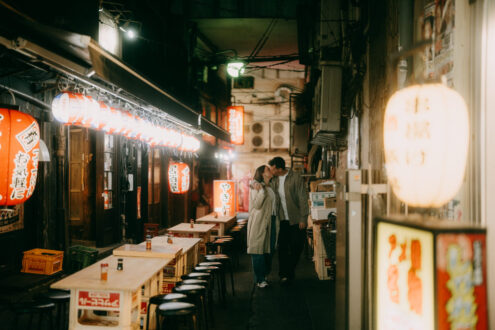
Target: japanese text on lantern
[[224, 200], [21, 187], [185, 179], [236, 124], [173, 177]]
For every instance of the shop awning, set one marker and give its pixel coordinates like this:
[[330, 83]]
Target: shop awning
[[83, 58]]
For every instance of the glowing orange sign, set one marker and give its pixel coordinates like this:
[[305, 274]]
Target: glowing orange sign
[[236, 124], [19, 150], [404, 275], [224, 197]]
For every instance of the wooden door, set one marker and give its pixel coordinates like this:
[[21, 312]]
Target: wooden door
[[80, 169]]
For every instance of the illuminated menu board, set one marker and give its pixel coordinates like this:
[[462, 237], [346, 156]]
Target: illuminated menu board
[[429, 275]]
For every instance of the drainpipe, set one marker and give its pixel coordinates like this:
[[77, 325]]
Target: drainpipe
[[406, 25]]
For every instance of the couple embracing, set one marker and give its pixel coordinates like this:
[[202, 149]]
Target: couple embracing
[[278, 212]]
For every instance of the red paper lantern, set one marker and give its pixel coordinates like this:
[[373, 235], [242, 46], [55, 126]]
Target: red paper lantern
[[178, 177], [19, 153]]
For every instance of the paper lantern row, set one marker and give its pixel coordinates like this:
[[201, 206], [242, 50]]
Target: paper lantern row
[[19, 154], [82, 110], [178, 177]]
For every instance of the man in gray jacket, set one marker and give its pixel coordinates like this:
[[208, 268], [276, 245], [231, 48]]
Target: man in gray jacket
[[293, 214]]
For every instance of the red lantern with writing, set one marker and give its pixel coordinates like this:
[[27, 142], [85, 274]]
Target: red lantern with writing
[[178, 177], [19, 150]]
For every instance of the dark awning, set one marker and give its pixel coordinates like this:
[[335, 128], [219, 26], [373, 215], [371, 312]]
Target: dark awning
[[79, 55]]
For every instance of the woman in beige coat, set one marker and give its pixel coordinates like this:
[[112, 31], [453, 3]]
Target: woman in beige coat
[[262, 225]]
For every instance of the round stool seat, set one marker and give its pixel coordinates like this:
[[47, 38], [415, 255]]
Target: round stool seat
[[158, 299], [217, 256], [199, 275], [190, 289], [58, 295], [210, 263], [170, 297], [195, 281], [225, 237], [175, 309], [33, 306], [206, 268]]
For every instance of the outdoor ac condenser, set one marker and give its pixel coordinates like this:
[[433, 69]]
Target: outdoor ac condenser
[[257, 136], [279, 134], [327, 101]]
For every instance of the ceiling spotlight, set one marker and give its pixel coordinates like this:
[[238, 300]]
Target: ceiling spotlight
[[131, 34], [235, 69]]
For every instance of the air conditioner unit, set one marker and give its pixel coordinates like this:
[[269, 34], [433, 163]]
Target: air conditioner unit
[[327, 100], [256, 136], [279, 134]]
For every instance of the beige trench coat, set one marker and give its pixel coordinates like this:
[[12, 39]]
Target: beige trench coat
[[259, 224]]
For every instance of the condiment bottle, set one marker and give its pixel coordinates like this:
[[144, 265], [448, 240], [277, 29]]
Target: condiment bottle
[[104, 271], [192, 223], [148, 242], [169, 239], [120, 264]]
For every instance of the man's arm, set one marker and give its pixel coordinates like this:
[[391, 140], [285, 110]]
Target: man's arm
[[302, 192]]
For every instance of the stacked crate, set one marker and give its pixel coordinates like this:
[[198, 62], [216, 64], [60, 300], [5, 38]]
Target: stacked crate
[[324, 251]]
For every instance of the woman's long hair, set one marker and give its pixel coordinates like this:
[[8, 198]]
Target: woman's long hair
[[258, 175]]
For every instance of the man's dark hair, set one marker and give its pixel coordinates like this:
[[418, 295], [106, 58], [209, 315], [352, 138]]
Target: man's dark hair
[[279, 162]]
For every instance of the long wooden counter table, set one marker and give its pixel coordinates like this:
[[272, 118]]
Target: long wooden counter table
[[197, 231], [221, 222], [118, 299]]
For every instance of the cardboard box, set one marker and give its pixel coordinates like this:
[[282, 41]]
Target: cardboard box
[[330, 203], [320, 196], [321, 213], [322, 185]]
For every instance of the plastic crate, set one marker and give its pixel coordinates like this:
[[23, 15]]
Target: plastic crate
[[81, 257], [42, 261]]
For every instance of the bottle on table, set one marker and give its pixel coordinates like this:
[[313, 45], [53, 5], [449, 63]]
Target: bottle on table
[[104, 271], [148, 242]]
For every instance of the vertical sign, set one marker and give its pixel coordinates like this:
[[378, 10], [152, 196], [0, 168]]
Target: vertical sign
[[236, 124], [224, 197], [461, 281], [404, 281]]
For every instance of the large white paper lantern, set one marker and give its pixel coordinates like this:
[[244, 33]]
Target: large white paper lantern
[[426, 132]]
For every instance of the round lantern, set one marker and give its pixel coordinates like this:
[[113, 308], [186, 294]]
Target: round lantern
[[426, 132], [19, 150], [178, 177]]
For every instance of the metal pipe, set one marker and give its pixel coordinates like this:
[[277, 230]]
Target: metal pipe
[[27, 97]]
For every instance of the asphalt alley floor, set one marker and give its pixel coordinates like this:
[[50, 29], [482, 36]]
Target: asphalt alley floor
[[304, 305]]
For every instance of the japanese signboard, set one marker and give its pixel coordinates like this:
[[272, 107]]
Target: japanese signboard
[[100, 300], [224, 197], [404, 283], [236, 124], [19, 150], [461, 281]]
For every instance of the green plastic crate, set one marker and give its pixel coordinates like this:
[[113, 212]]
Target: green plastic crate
[[81, 257]]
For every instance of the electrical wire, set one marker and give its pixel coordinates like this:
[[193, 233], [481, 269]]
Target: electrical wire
[[264, 37]]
